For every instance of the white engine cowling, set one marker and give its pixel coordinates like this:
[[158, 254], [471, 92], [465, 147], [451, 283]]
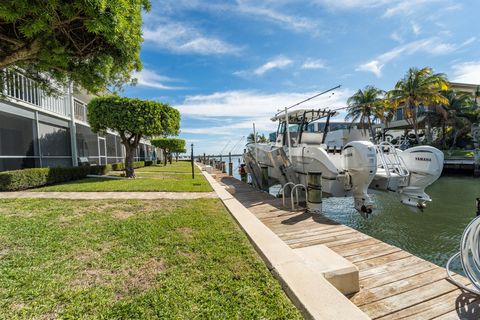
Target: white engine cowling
[[425, 164], [359, 160]]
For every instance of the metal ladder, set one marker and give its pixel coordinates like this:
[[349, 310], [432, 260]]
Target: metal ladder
[[391, 161]]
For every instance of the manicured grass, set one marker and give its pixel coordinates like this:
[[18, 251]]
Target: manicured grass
[[144, 182], [131, 259], [180, 166]]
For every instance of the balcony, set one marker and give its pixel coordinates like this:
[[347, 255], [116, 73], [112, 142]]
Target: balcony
[[24, 90], [80, 111]]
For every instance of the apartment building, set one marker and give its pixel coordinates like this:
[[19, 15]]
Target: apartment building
[[38, 130]]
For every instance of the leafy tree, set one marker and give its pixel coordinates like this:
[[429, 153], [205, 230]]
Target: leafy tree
[[260, 138], [460, 113], [94, 43], [365, 106], [169, 146], [133, 119], [419, 87]]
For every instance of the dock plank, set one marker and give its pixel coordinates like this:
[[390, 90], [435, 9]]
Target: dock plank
[[394, 283]]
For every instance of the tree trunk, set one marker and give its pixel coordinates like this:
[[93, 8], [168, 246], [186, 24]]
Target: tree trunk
[[415, 124], [129, 170], [444, 135], [374, 139], [165, 154], [170, 158], [428, 132]]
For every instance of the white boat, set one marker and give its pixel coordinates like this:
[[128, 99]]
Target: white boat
[[348, 162]]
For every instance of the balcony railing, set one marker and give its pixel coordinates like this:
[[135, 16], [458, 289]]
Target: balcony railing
[[19, 87], [80, 111]]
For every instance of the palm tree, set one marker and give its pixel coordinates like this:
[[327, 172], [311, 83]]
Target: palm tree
[[365, 106], [419, 87], [260, 138], [460, 113]]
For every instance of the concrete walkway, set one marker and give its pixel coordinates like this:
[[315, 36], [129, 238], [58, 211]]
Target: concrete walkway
[[108, 195], [313, 295]]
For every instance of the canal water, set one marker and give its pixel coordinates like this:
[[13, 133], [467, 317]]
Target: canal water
[[433, 234]]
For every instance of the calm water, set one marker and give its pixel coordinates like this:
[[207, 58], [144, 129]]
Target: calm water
[[433, 234]]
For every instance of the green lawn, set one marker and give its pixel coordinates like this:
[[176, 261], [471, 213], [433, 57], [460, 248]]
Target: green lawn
[[175, 167], [132, 259], [144, 182]]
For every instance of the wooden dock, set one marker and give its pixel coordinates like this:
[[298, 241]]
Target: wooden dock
[[394, 283]]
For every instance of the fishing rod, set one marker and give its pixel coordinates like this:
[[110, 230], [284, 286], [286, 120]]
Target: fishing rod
[[226, 145], [235, 146], [308, 99]]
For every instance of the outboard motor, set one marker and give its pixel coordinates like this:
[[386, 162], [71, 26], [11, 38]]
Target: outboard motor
[[359, 160], [425, 164]]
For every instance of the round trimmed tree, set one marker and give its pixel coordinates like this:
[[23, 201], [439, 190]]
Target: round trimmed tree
[[133, 119], [169, 146]]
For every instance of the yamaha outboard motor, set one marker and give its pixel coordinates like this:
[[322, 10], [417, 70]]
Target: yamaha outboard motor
[[425, 164], [359, 161]]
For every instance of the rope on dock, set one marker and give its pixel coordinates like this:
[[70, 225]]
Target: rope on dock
[[469, 255]]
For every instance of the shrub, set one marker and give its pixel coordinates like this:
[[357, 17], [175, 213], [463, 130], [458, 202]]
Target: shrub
[[159, 161], [138, 164], [118, 166], [148, 163], [101, 169], [37, 177]]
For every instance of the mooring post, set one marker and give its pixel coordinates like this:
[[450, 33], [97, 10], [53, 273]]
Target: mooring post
[[314, 192], [191, 159], [264, 177], [224, 167], [204, 159], [230, 164]]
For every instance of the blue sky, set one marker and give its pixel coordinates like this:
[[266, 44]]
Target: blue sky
[[227, 64]]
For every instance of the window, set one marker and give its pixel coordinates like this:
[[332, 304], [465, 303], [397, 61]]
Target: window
[[87, 142], [17, 136], [54, 141]]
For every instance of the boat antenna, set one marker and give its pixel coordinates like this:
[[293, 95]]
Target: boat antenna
[[308, 99]]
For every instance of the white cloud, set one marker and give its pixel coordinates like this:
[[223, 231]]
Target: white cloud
[[279, 62], [396, 37], [296, 23], [432, 45], [314, 64], [183, 38], [392, 7], [416, 28], [254, 104], [276, 63], [467, 72], [149, 78]]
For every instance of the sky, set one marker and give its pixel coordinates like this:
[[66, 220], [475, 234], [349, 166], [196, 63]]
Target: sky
[[228, 64]]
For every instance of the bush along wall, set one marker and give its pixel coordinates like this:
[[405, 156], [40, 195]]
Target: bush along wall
[[36, 177], [100, 170], [119, 166]]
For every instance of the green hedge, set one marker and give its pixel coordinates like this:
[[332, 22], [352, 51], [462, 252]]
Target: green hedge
[[148, 163], [37, 177], [118, 166], [138, 164], [101, 170], [121, 165]]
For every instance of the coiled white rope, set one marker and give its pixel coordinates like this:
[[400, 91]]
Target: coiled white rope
[[469, 257]]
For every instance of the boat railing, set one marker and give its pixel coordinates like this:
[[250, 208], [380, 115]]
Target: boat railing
[[390, 160]]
